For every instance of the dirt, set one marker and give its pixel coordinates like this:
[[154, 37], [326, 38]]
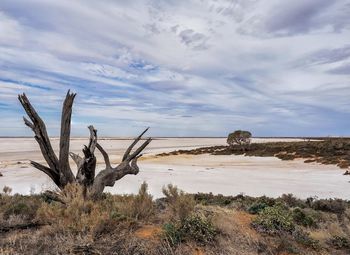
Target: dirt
[[149, 232]]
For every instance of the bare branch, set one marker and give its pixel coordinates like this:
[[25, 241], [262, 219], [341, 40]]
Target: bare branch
[[140, 149], [105, 155], [134, 166], [127, 152], [28, 123], [58, 167], [65, 170], [109, 176], [54, 196], [93, 138], [54, 176], [79, 161], [41, 136]]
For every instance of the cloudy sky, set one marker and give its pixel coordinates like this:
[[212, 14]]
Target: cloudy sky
[[182, 67]]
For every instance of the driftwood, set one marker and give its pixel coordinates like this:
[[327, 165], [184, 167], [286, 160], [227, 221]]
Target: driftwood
[[58, 168]]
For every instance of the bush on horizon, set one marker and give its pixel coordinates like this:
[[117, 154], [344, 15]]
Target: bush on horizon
[[239, 137]]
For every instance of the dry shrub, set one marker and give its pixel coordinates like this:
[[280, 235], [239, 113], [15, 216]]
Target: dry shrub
[[7, 190], [18, 206], [180, 203], [96, 217], [236, 235], [140, 206], [72, 192], [46, 240], [78, 214]]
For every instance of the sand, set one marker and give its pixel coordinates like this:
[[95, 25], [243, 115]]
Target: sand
[[225, 174]]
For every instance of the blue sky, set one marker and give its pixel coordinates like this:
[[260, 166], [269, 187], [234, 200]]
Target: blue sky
[[184, 68]]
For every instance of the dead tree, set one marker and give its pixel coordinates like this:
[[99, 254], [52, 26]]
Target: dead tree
[[58, 168]]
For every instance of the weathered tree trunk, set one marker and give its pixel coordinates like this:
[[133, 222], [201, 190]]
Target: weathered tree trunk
[[59, 170]]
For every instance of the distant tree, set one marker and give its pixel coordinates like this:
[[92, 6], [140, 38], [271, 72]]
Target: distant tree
[[239, 137]]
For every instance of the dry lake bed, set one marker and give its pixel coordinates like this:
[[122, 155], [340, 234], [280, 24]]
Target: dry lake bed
[[224, 174]]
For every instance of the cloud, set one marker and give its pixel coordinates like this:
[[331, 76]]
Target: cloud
[[327, 56], [343, 70], [296, 17], [193, 39], [182, 67]]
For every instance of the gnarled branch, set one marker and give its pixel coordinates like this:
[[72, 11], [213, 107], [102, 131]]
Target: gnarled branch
[[41, 136], [59, 170], [110, 175], [105, 155]]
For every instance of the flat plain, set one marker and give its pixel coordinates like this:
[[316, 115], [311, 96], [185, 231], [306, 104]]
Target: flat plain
[[220, 174]]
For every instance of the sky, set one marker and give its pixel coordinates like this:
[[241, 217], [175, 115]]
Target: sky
[[181, 67]]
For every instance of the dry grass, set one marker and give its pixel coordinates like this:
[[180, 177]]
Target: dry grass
[[180, 204], [134, 224]]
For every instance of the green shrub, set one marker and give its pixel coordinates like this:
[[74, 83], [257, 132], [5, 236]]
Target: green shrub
[[194, 228], [240, 137], [266, 200], [211, 199], [291, 201], [340, 242], [198, 229], [337, 206], [273, 220], [301, 217], [257, 207], [172, 233], [25, 207]]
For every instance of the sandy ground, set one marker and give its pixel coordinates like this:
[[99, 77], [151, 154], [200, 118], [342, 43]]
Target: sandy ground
[[223, 174]]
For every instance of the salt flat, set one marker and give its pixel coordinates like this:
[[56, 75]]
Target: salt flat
[[225, 174]]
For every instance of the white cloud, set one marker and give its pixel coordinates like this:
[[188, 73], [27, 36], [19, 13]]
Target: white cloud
[[250, 63]]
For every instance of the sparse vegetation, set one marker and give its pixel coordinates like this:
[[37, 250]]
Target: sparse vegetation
[[303, 217], [180, 223], [334, 151], [180, 204], [340, 242], [7, 190]]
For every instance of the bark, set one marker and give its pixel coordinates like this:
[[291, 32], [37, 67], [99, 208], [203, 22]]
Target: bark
[[66, 175], [58, 168], [87, 165]]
